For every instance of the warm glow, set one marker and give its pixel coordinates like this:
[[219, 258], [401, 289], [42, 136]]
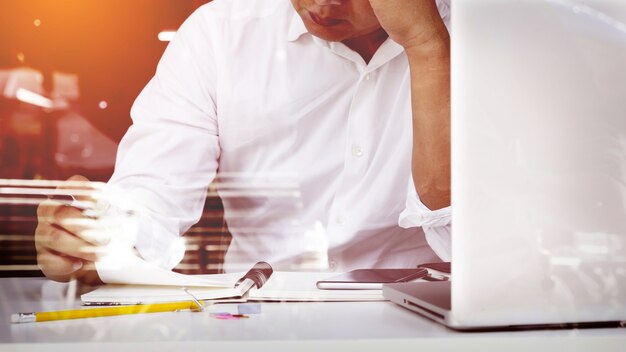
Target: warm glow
[[26, 96], [166, 36]]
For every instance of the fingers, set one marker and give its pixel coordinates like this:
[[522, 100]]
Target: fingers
[[56, 239], [62, 256], [62, 268], [76, 188], [79, 188], [73, 221], [67, 242], [88, 275], [57, 267], [78, 178], [46, 209]]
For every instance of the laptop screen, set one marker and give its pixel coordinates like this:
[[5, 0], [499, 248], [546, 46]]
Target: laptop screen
[[539, 161]]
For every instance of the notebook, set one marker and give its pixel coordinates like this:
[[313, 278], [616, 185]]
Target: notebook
[[281, 286], [133, 281]]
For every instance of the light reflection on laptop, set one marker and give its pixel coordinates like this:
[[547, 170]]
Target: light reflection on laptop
[[539, 167]]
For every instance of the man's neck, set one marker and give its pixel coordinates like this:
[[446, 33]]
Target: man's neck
[[367, 45]]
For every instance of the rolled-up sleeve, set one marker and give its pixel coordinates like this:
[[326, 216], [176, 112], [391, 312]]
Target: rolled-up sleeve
[[435, 223], [169, 155]]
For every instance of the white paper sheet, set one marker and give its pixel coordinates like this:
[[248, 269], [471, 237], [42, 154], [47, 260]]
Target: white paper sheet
[[128, 268], [301, 286]]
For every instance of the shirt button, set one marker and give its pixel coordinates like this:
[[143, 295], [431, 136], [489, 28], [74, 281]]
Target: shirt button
[[340, 221], [367, 77], [332, 265], [357, 150]]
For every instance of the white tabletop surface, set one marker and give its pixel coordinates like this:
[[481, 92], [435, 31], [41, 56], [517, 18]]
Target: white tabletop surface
[[346, 326]]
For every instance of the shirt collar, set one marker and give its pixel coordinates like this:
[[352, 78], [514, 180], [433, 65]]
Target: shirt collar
[[386, 52], [296, 28]]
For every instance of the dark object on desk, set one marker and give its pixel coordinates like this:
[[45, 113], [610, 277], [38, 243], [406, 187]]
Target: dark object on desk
[[370, 279], [259, 274], [443, 267]]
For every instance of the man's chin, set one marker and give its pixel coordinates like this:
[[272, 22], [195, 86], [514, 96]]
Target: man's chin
[[329, 38], [328, 34]]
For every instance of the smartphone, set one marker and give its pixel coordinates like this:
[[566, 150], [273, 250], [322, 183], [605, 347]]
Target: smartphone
[[370, 279]]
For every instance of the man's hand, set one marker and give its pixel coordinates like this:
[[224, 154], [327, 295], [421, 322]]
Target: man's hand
[[65, 241], [411, 23]]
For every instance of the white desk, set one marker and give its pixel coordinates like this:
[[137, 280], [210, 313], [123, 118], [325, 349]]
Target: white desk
[[371, 326]]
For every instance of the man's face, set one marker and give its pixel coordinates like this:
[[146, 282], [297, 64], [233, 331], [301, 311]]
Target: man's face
[[337, 20]]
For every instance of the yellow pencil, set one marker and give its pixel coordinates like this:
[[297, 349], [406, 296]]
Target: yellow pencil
[[102, 312]]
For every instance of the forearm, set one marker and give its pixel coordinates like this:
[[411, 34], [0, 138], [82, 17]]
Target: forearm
[[430, 102]]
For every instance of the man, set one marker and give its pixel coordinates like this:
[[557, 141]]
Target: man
[[348, 100]]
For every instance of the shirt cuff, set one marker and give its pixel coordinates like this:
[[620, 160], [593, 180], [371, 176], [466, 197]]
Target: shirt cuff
[[157, 244], [154, 237], [440, 241], [417, 214]]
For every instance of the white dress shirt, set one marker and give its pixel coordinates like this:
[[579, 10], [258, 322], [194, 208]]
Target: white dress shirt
[[310, 145]]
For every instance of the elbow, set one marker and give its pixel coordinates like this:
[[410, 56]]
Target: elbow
[[435, 198]]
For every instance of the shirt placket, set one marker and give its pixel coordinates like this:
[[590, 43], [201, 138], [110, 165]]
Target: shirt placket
[[358, 145], [357, 150]]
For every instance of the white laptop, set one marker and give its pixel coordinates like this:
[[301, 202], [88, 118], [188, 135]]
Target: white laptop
[[538, 167]]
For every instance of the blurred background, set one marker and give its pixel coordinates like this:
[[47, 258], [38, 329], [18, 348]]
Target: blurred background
[[69, 73]]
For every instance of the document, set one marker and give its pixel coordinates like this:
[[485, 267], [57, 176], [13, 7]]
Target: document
[[131, 280], [128, 268]]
